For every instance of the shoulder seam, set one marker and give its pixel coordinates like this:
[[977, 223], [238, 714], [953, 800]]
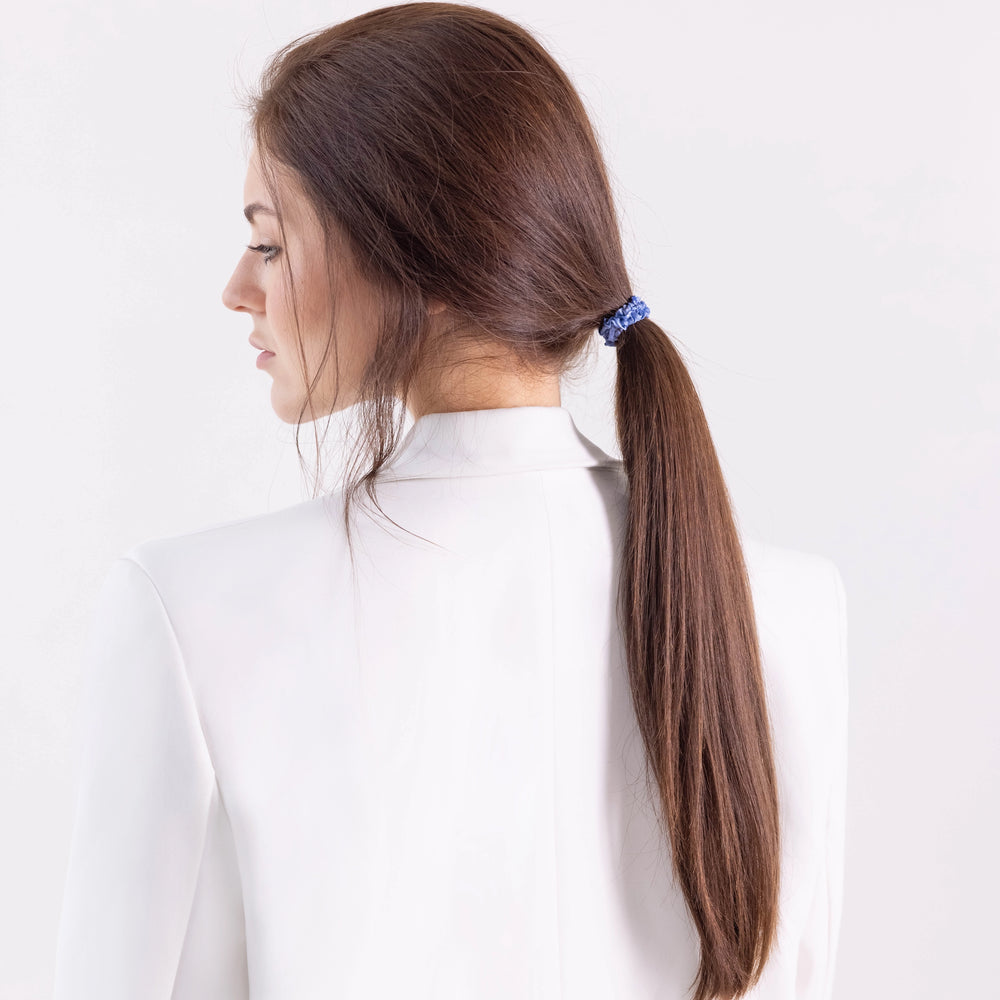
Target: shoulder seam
[[180, 657]]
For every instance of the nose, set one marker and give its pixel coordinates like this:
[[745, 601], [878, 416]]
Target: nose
[[230, 298], [240, 292]]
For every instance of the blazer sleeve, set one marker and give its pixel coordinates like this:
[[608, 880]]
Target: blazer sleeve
[[145, 808], [836, 818], [822, 932]]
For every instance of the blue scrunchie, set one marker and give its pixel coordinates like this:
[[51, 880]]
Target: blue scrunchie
[[612, 326]]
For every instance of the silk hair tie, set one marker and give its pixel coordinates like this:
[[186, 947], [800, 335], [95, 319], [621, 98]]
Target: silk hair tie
[[614, 324]]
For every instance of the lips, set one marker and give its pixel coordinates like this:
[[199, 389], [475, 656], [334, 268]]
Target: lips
[[259, 346]]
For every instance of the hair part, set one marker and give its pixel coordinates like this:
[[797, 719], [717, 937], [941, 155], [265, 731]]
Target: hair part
[[466, 171]]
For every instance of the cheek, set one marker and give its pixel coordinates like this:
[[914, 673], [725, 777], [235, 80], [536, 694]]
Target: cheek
[[281, 318], [315, 317], [282, 324], [316, 302]]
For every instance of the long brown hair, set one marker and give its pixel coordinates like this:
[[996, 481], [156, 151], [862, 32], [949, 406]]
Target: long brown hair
[[454, 159]]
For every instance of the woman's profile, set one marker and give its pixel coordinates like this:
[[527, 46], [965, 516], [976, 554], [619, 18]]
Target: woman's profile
[[542, 723]]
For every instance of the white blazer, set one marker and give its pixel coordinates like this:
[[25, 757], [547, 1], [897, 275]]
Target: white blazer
[[420, 777]]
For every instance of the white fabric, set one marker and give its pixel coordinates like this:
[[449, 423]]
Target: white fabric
[[419, 778]]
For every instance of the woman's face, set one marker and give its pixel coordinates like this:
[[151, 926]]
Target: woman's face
[[259, 287]]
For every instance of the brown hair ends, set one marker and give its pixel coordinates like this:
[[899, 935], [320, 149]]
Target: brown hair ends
[[450, 154], [694, 665]]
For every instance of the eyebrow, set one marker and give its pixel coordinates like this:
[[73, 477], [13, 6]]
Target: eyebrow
[[255, 207]]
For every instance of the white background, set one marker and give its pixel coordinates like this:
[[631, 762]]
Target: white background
[[809, 201]]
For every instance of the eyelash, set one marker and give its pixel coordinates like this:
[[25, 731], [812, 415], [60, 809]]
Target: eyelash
[[269, 252]]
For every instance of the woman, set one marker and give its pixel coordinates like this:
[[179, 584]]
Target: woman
[[563, 733]]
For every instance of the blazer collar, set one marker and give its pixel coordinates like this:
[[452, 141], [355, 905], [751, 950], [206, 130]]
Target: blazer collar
[[491, 442]]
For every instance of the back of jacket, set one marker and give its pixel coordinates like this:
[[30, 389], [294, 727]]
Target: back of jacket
[[417, 772]]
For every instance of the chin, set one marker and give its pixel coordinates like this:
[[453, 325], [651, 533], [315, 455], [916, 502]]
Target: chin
[[288, 410]]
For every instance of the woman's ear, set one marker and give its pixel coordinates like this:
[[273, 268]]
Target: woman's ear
[[434, 307]]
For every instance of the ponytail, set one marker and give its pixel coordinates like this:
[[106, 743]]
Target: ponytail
[[694, 665]]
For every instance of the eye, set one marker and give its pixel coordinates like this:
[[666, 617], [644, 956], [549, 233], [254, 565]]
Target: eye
[[268, 252]]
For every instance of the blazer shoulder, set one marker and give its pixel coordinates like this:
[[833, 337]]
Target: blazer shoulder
[[801, 608], [239, 553], [765, 560], [794, 578]]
